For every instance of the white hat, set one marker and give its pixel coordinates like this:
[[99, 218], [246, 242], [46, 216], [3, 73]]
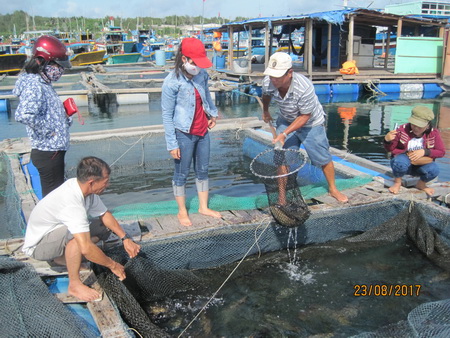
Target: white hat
[[279, 64]]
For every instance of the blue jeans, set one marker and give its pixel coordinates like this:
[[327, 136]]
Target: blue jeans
[[314, 139], [193, 149], [401, 165]]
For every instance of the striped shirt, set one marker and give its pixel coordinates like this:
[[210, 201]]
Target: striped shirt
[[300, 99]]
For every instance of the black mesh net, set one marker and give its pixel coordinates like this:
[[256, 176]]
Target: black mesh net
[[145, 282], [278, 168], [28, 309], [169, 267]]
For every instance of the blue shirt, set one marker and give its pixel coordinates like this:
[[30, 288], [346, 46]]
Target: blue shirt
[[178, 103], [42, 111]]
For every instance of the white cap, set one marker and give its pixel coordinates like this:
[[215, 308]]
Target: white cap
[[279, 64]]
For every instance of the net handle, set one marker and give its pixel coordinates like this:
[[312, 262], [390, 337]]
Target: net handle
[[278, 145]]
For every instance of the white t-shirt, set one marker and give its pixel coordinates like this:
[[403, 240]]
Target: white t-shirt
[[415, 144], [65, 205]]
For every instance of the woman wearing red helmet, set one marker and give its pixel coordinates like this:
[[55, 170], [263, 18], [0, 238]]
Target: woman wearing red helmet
[[42, 111]]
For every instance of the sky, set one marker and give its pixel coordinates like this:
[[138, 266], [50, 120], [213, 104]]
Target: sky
[[228, 9]]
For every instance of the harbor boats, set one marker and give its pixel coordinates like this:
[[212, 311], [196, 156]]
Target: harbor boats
[[10, 62], [85, 53], [118, 49], [149, 49]]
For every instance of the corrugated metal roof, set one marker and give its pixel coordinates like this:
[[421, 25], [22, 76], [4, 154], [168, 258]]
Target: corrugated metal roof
[[338, 17]]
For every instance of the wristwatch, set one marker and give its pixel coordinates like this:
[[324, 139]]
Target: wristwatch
[[125, 237]]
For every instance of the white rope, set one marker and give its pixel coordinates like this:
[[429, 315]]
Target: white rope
[[132, 145], [229, 276]]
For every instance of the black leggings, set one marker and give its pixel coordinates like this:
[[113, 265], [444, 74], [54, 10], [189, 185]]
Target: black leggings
[[50, 165]]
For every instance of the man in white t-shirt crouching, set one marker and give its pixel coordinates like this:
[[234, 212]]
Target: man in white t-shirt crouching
[[59, 227]]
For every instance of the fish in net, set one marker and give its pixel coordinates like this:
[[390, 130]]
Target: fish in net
[[278, 168], [145, 282]]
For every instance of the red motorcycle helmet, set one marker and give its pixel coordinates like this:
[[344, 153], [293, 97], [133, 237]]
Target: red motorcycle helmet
[[51, 49]]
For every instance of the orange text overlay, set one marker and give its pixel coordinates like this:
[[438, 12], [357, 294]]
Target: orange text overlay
[[383, 290]]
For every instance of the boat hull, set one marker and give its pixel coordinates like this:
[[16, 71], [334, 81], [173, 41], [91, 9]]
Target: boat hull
[[12, 63], [123, 58], [88, 58]]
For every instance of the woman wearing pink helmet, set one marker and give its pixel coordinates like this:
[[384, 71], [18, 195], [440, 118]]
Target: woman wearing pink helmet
[[42, 111]]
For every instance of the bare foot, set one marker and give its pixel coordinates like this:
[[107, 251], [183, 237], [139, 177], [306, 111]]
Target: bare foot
[[83, 292], [395, 188], [209, 212], [340, 197], [184, 220], [421, 185]]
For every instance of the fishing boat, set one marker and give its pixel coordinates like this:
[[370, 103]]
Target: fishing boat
[[118, 49], [10, 62], [85, 53]]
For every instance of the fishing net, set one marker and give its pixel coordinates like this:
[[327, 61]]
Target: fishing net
[[28, 309], [145, 282], [11, 217], [169, 267], [277, 168]]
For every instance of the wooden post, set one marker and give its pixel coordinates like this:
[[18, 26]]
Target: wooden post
[[388, 44], [351, 30], [249, 49], [329, 49], [310, 47], [446, 66], [270, 41], [230, 48], [267, 49], [399, 27]]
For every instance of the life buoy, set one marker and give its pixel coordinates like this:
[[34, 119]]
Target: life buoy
[[217, 46], [349, 68]]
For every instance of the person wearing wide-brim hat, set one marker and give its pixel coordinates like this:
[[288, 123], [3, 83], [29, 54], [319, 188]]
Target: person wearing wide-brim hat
[[188, 114], [414, 147]]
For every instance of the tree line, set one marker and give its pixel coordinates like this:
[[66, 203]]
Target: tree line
[[19, 22]]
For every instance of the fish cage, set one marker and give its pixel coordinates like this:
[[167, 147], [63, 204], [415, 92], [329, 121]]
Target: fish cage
[[169, 284], [396, 289]]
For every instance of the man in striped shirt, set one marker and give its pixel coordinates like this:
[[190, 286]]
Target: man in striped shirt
[[301, 117]]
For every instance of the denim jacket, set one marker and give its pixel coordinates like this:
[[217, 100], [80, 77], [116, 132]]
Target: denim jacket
[[178, 103], [42, 111]]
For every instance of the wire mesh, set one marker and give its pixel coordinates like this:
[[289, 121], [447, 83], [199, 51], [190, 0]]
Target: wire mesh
[[278, 168]]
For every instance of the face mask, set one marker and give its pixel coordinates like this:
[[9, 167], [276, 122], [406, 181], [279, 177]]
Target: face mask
[[53, 72], [191, 69]]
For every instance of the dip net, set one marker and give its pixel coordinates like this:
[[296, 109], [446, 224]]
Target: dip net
[[278, 169]]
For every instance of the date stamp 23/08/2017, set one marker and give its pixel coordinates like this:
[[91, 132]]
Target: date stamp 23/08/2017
[[383, 290]]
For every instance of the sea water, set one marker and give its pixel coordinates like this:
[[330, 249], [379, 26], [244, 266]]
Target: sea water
[[320, 293], [356, 126]]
